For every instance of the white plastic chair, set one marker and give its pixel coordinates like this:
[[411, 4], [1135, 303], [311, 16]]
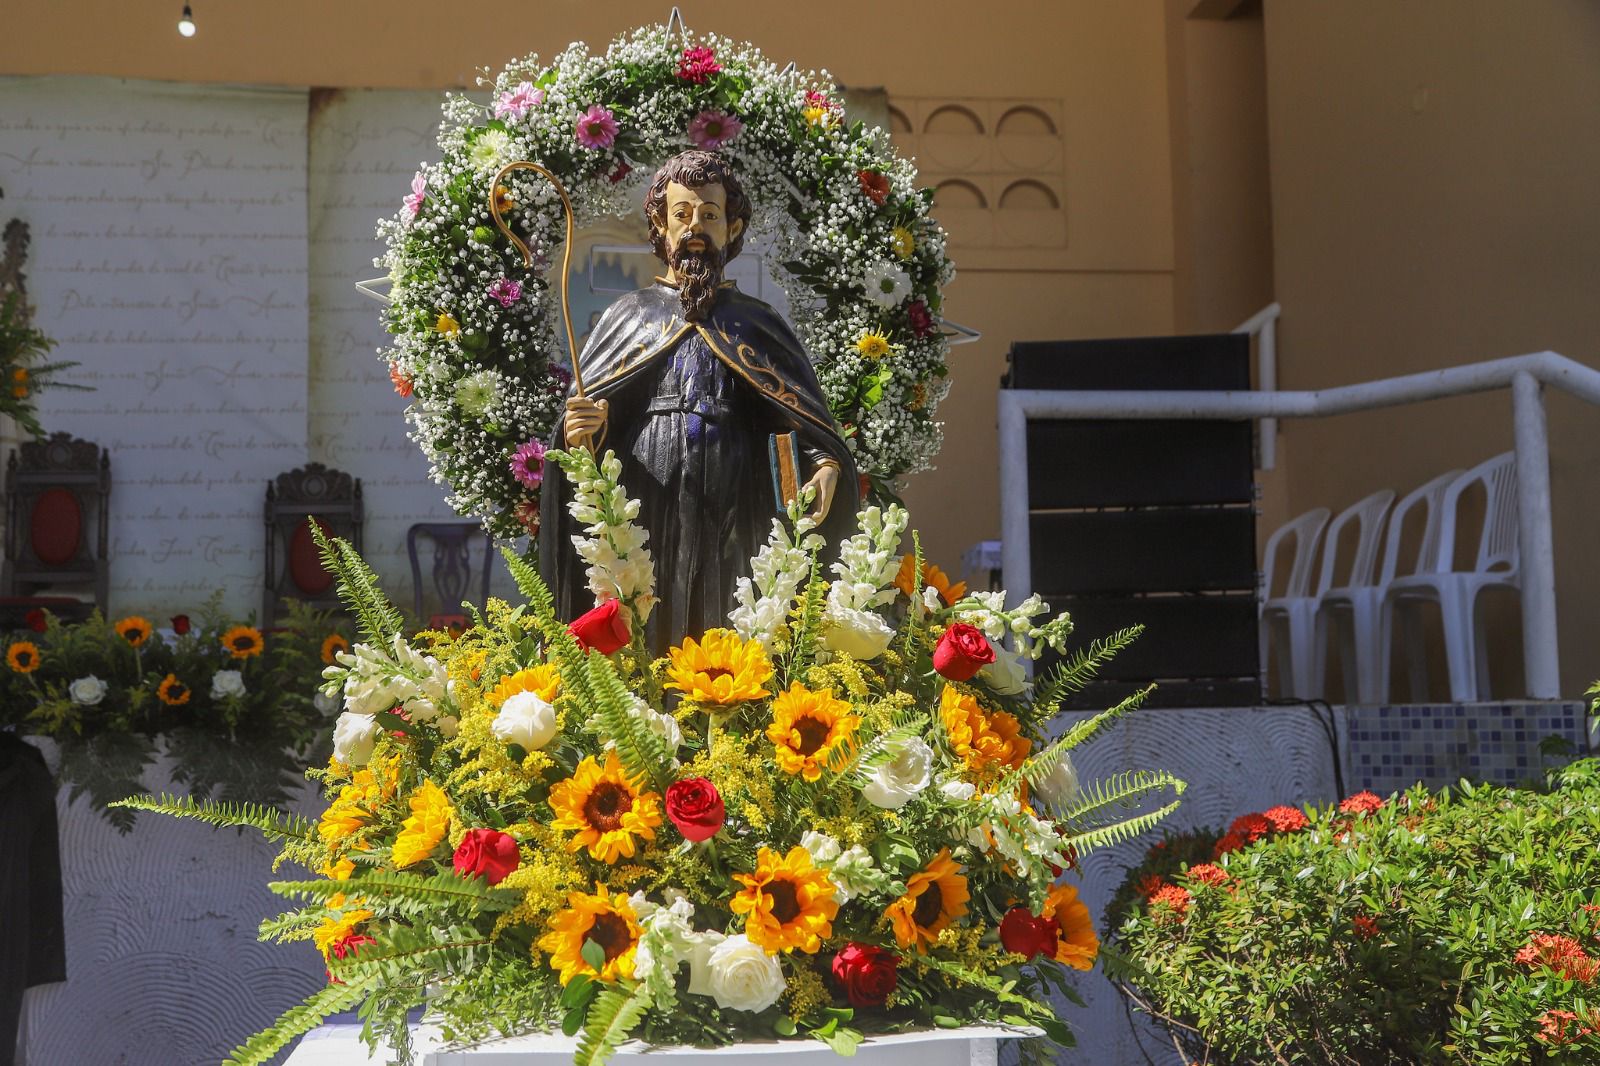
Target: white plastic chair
[[1350, 609], [1498, 565], [1294, 613]]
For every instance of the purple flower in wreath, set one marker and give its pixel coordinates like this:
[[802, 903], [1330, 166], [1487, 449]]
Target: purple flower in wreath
[[514, 103], [527, 464], [597, 128], [419, 193], [713, 129], [506, 291]]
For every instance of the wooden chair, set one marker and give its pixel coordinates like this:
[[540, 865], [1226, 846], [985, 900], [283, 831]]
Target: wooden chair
[[294, 570], [452, 570], [58, 493]]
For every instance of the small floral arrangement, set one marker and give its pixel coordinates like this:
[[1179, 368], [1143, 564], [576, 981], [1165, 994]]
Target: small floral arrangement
[[475, 333], [25, 370], [841, 814], [1459, 926], [236, 707]]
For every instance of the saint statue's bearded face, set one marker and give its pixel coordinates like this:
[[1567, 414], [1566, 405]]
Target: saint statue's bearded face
[[697, 232]]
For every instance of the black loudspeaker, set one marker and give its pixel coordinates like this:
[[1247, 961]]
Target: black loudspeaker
[[1147, 521]]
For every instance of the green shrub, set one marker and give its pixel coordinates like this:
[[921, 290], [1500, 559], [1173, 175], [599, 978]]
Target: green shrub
[[1456, 927]]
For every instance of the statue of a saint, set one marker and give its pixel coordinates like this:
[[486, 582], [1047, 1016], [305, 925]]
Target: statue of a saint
[[689, 380]]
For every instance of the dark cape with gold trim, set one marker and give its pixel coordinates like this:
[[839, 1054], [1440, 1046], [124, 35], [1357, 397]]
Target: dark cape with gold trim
[[692, 407]]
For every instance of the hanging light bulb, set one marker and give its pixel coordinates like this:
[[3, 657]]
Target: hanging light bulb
[[186, 23]]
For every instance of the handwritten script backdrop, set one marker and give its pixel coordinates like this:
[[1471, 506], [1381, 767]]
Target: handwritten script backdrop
[[196, 248]]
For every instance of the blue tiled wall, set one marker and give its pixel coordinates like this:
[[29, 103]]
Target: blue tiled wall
[[1388, 749]]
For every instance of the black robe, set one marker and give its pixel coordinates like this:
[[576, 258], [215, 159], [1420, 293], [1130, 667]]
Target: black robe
[[692, 407]]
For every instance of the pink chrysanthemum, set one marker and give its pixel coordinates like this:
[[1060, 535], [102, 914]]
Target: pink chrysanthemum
[[597, 127], [527, 464], [713, 129], [506, 291], [419, 194], [698, 64], [514, 103]]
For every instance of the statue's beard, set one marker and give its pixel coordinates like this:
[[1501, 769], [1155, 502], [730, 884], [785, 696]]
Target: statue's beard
[[699, 276]]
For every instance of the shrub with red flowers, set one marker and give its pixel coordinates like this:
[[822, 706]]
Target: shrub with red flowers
[[1452, 927]]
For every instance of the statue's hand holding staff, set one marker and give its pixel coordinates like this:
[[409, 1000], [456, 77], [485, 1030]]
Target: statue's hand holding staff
[[584, 424], [824, 482]]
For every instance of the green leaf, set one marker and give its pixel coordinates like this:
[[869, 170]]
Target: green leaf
[[785, 1026], [593, 954], [274, 825]]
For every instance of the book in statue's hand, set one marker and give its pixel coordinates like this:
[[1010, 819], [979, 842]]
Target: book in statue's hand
[[784, 451]]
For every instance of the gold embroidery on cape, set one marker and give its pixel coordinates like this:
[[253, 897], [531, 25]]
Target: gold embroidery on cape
[[747, 368], [628, 366]]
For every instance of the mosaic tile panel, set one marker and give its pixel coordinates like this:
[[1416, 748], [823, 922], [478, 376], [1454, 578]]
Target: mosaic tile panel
[[1392, 748]]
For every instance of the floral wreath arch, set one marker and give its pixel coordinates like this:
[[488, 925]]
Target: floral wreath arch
[[475, 333]]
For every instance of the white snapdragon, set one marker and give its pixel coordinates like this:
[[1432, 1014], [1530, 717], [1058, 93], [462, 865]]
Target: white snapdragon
[[868, 562], [619, 564], [354, 736], [854, 873], [1059, 785], [776, 573], [225, 683], [87, 691], [526, 719], [822, 848], [666, 943], [895, 780], [956, 790], [987, 611]]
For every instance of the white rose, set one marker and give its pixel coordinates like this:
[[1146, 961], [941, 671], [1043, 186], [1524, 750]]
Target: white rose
[[957, 791], [1006, 675], [87, 691], [225, 683], [527, 720], [353, 738], [1058, 787], [823, 848], [862, 635], [904, 774], [736, 973]]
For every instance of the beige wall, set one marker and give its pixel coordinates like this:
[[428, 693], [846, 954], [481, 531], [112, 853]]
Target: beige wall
[[1436, 200]]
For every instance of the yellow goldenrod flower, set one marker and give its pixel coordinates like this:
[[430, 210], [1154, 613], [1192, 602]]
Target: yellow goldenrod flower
[[981, 740], [788, 903], [605, 919], [543, 681], [721, 668], [807, 728], [873, 345], [607, 810], [428, 824], [934, 897]]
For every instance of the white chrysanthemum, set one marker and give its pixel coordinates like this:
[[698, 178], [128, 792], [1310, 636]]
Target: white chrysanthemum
[[887, 285], [476, 393], [490, 150]]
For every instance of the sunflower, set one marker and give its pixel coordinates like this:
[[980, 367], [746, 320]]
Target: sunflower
[[23, 656], [606, 808], [1076, 942], [982, 740], [931, 575], [721, 669], [429, 823], [872, 345], [133, 629], [339, 925], [788, 903], [243, 641], [606, 920], [808, 728], [935, 897], [172, 692], [543, 681], [332, 646]]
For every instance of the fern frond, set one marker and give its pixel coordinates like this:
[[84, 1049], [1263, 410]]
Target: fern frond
[[911, 630], [1125, 830], [359, 587], [808, 620], [529, 583], [272, 824], [297, 1021], [1090, 726], [1074, 674], [412, 956], [1120, 790], [290, 925], [611, 1018], [439, 889], [642, 752]]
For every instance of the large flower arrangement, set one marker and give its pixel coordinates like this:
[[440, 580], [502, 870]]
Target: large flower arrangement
[[235, 708], [475, 333], [841, 814]]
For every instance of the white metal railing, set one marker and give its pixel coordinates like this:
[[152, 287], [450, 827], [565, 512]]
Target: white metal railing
[[1525, 375], [1263, 325]]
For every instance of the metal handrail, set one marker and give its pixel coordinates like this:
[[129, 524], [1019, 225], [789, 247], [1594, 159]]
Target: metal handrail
[[1525, 375], [1263, 325]]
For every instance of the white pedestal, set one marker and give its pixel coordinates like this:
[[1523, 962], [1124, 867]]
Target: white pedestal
[[340, 1045]]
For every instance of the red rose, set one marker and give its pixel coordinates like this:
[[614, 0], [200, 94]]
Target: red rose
[[874, 186], [37, 620], [180, 624], [1025, 933], [921, 321], [343, 949], [695, 807], [488, 853], [962, 652], [867, 973], [624, 168], [604, 629]]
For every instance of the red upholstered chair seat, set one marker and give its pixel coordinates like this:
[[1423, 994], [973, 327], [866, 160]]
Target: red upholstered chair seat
[[305, 560], [56, 528]]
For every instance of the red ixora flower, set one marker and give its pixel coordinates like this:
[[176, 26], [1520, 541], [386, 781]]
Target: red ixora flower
[[1172, 902], [874, 186], [1149, 885], [1361, 803], [1366, 926], [1286, 819], [1228, 842], [1252, 827], [1559, 1027], [1561, 954], [1207, 874], [697, 64]]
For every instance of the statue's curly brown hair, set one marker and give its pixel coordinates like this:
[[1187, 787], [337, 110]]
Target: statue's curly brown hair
[[693, 169]]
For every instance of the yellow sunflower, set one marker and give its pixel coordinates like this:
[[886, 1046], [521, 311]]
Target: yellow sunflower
[[935, 897], [428, 824], [23, 657], [344, 816], [788, 903], [905, 580], [1076, 942], [872, 345], [902, 242], [172, 692], [722, 668], [982, 740], [243, 641], [343, 923], [133, 629], [605, 919], [543, 681], [807, 728], [332, 646], [607, 809]]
